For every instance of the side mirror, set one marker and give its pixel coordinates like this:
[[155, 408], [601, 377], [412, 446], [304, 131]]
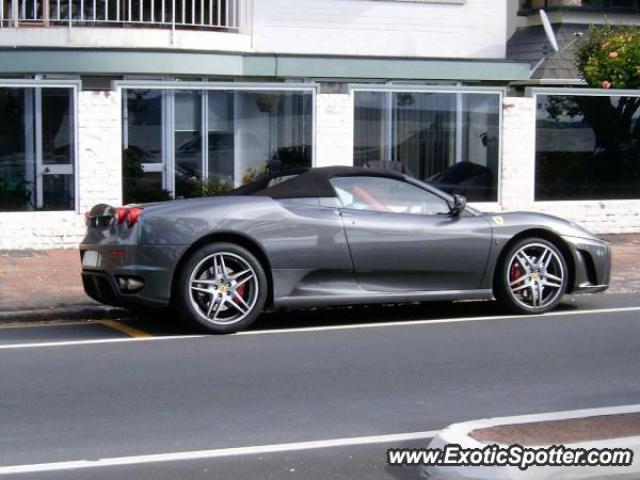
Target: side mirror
[[459, 204]]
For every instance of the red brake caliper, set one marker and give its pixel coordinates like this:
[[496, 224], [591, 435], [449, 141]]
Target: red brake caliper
[[241, 290], [515, 272]]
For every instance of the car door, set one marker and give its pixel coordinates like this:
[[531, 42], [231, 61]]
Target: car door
[[402, 237]]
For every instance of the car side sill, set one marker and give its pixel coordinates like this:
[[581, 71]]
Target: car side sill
[[313, 299], [588, 288]]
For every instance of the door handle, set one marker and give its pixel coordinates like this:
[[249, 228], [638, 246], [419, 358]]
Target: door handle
[[46, 170]]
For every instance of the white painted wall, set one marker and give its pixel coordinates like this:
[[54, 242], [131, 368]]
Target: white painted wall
[[513, 21], [427, 28], [420, 28], [518, 153], [103, 37], [100, 147]]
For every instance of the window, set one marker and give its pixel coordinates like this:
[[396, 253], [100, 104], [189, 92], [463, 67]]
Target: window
[[187, 143], [451, 140], [142, 160], [587, 147], [381, 194], [37, 149], [526, 6]]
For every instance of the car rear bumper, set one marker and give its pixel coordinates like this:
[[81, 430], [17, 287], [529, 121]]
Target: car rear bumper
[[110, 265], [592, 261], [102, 288]]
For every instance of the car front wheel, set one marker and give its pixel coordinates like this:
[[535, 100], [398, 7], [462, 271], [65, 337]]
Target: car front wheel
[[532, 278], [222, 288]]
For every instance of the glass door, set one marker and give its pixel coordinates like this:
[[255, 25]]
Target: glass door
[[54, 131], [220, 136], [144, 164], [188, 142]]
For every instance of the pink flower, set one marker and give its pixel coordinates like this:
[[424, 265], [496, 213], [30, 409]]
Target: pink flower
[[606, 45], [613, 54], [607, 84]]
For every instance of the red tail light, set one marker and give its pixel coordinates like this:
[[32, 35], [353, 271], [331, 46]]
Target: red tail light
[[121, 214], [130, 215]]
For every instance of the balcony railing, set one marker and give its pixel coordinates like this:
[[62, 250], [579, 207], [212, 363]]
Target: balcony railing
[[189, 14], [529, 6]]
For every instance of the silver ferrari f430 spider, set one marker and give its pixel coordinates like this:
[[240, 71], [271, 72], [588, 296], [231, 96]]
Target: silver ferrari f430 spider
[[331, 236]]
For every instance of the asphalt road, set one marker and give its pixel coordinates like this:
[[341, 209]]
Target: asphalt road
[[82, 391]]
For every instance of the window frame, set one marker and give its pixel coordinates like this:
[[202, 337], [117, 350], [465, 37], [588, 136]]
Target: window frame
[[167, 164], [453, 2], [70, 84], [394, 87], [533, 92]]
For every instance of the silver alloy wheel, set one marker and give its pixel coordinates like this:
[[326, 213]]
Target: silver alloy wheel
[[223, 288], [535, 276]]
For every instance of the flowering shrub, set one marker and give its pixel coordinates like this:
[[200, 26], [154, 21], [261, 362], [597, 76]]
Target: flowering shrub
[[609, 57], [253, 173]]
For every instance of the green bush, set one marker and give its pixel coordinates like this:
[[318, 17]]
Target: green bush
[[208, 188]]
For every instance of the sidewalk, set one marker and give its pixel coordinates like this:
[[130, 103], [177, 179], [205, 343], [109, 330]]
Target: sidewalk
[[596, 429], [625, 276], [48, 281], [45, 284]]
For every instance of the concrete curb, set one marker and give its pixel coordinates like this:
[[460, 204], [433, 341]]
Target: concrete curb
[[64, 312], [458, 433]]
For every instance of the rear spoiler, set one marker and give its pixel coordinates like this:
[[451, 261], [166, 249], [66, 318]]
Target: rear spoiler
[[99, 215], [102, 214]]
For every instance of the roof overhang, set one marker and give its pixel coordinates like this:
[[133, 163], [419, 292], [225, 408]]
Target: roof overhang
[[141, 62]]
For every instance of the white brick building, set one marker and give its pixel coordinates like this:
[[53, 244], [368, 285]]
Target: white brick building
[[107, 106]]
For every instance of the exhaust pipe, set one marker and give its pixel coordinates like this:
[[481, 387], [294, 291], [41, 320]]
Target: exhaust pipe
[[130, 284]]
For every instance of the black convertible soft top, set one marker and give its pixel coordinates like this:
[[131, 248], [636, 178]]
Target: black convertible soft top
[[311, 182]]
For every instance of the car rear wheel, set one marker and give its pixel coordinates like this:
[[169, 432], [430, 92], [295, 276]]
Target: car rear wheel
[[222, 288], [532, 278]]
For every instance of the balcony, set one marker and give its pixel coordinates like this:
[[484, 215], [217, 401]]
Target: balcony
[[212, 15], [529, 7]]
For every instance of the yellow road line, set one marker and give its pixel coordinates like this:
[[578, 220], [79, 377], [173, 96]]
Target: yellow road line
[[124, 328]]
